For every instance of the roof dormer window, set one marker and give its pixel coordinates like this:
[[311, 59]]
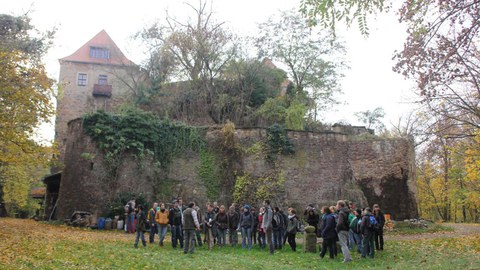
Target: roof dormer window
[[99, 53]]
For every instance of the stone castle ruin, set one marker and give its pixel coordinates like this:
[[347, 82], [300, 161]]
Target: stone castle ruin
[[325, 167], [341, 163]]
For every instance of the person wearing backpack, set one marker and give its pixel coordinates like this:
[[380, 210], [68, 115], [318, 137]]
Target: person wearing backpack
[[367, 228], [151, 222], [267, 224], [342, 229], [351, 217], [130, 212], [354, 229], [141, 227], [380, 217], [277, 223], [328, 233]]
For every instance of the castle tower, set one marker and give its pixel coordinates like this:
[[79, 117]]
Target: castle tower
[[94, 77]]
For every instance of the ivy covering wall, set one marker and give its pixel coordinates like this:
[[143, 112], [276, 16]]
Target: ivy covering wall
[[141, 133]]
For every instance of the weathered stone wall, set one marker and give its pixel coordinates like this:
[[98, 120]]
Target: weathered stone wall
[[325, 167]]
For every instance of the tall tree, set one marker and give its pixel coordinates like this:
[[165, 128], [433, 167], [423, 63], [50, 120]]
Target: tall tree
[[373, 119], [198, 51], [26, 98], [312, 58], [440, 53]]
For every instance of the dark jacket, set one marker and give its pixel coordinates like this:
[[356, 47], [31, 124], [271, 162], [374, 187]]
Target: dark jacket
[[221, 221], [312, 218], [255, 220], [151, 216], [292, 225], [328, 230], [175, 217], [277, 221], [209, 219], [285, 220], [141, 222], [380, 217], [364, 224], [342, 224], [246, 220], [189, 219], [232, 220]]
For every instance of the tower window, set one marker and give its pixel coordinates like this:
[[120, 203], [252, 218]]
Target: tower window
[[102, 79], [99, 53], [81, 79]]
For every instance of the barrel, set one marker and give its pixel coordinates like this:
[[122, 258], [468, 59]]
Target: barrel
[[120, 225], [108, 224], [101, 223]]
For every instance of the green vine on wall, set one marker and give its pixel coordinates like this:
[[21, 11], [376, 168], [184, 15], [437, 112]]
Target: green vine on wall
[[278, 142], [141, 133], [209, 172], [270, 186]]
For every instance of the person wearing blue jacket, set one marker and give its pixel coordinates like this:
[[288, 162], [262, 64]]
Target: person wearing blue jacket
[[328, 233]]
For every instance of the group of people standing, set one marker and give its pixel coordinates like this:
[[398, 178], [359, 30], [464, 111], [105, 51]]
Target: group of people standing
[[269, 227], [349, 226]]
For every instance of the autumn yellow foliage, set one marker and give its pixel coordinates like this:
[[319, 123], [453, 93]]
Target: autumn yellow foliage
[[26, 101]]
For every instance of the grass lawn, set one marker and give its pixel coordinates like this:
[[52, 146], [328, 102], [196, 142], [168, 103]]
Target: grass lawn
[[26, 244], [402, 228]]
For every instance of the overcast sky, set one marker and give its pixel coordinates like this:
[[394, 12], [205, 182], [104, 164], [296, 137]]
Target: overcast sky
[[369, 83]]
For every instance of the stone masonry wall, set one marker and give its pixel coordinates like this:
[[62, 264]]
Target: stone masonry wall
[[76, 100], [325, 167]]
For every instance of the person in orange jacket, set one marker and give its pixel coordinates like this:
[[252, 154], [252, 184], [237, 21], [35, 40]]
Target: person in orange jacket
[[161, 218]]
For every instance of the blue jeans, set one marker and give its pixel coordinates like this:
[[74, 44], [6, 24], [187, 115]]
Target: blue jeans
[[153, 230], [232, 237], [221, 236], [277, 239], [368, 247], [358, 240], [177, 236], [351, 240], [131, 223], [247, 235], [199, 238], [138, 236], [162, 231], [261, 239]]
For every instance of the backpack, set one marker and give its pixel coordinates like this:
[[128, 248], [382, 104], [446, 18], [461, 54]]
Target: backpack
[[149, 211], [373, 224], [354, 225], [274, 223], [128, 208]]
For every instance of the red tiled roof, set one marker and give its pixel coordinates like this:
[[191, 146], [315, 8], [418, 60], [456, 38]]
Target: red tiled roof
[[101, 40]]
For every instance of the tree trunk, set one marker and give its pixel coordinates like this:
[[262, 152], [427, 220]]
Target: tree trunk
[[3, 210]]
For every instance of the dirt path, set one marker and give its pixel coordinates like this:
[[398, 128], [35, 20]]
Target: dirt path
[[459, 230]]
